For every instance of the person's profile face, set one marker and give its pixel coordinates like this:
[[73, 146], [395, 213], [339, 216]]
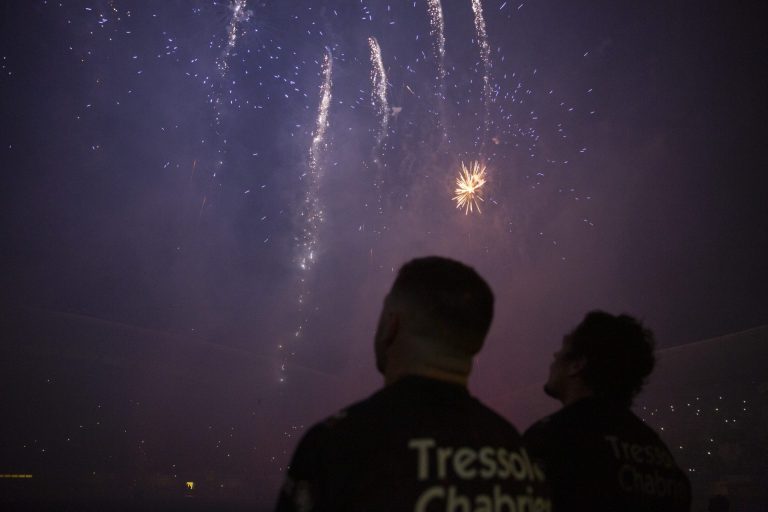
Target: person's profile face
[[558, 371], [379, 341]]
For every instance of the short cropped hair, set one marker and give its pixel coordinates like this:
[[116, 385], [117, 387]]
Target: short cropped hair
[[619, 353], [448, 301]]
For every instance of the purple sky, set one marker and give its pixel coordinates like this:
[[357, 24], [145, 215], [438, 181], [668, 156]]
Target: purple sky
[[626, 161]]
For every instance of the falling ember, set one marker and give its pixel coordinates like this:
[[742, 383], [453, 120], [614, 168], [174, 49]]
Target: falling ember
[[468, 187]]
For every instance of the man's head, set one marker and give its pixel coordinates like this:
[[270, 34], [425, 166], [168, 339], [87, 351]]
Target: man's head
[[605, 355], [436, 316]]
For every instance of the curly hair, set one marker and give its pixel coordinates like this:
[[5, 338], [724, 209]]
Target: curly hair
[[619, 353]]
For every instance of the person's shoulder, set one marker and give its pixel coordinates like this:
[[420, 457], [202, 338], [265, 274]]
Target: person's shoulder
[[561, 428], [493, 419], [308, 465], [642, 429], [539, 428], [321, 436], [586, 415], [550, 424], [346, 416], [311, 443], [539, 436]]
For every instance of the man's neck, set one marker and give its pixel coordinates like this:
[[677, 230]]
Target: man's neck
[[576, 394], [426, 357], [430, 373]]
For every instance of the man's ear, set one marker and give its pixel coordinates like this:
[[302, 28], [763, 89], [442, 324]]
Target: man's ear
[[576, 366], [390, 328]]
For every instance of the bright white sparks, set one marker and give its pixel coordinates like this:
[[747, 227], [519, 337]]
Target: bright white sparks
[[239, 14], [469, 184], [438, 34], [379, 90], [485, 57], [312, 211], [437, 31]]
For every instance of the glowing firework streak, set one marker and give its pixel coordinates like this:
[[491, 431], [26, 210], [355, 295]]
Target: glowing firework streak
[[217, 87], [379, 102], [438, 34], [239, 14], [485, 57], [379, 91], [468, 187], [313, 212]]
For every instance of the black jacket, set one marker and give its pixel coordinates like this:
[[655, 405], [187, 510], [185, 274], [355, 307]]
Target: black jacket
[[419, 444], [599, 456]]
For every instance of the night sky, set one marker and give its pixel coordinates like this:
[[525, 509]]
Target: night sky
[[159, 171]]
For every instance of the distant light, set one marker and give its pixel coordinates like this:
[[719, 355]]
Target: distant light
[[191, 486], [15, 475]]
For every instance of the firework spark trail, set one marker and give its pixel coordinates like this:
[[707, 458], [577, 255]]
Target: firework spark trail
[[239, 14], [380, 104], [437, 32], [468, 187], [379, 90], [217, 87], [485, 57], [312, 211], [312, 214]]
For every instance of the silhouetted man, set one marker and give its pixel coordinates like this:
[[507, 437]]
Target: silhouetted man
[[597, 454], [421, 443]]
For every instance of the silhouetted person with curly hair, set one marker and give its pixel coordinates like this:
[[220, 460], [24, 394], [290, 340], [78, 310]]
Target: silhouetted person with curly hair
[[597, 454]]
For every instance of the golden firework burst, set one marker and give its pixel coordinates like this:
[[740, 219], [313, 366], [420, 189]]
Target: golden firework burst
[[468, 186]]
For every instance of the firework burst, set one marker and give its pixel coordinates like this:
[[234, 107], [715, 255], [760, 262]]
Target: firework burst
[[469, 185]]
